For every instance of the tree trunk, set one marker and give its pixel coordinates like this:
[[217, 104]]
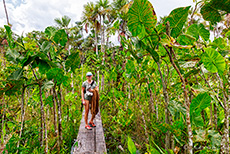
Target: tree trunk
[[55, 100], [142, 114], [215, 116], [42, 118], [129, 96], [54, 111], [98, 83], [22, 114], [3, 120], [103, 51], [152, 109], [166, 99], [211, 116], [43, 122], [225, 144], [59, 115], [185, 91], [72, 83], [7, 18]]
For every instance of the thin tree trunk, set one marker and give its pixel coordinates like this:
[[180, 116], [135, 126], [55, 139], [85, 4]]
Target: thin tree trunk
[[46, 134], [187, 104], [59, 115], [41, 108], [185, 91], [7, 17], [129, 96], [42, 118], [43, 121], [225, 145], [216, 93], [166, 99], [151, 99], [103, 51], [157, 115], [142, 114], [22, 114], [98, 81], [215, 116], [211, 116], [72, 83], [55, 100], [3, 120], [54, 111]]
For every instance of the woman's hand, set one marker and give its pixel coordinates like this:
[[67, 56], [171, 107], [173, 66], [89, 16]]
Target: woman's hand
[[83, 101], [90, 90]]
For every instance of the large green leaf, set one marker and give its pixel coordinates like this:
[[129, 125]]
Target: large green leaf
[[130, 67], [154, 54], [49, 100], [27, 60], [17, 75], [185, 40], [215, 138], [210, 14], [219, 43], [175, 108], [55, 73], [140, 15], [213, 61], [43, 66], [197, 30], [200, 135], [48, 85], [73, 61], [45, 47], [9, 36], [50, 31], [203, 32], [200, 102], [12, 56], [213, 10], [131, 146], [60, 37], [177, 19]]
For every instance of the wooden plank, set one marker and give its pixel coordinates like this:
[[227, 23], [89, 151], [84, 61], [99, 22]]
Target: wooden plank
[[90, 141]]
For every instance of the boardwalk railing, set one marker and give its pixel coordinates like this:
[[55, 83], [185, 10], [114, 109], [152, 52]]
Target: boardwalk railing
[[90, 141]]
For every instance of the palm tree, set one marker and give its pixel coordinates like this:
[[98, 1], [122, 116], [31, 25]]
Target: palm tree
[[90, 18], [121, 7], [63, 22], [104, 9], [7, 18]]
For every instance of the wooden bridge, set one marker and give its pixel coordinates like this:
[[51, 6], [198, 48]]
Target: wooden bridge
[[90, 141]]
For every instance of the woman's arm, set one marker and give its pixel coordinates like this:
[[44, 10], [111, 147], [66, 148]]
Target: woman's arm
[[82, 95], [96, 88], [91, 90]]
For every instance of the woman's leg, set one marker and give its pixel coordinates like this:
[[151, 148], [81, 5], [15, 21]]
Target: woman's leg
[[91, 120], [93, 116], [86, 112]]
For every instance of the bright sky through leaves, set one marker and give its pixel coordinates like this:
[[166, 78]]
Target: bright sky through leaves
[[28, 15]]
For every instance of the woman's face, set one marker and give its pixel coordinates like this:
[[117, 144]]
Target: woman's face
[[89, 77]]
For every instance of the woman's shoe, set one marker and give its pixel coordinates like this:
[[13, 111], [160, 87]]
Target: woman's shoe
[[92, 124], [88, 127]]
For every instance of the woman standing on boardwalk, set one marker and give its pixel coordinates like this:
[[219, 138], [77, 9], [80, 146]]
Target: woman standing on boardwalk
[[87, 92]]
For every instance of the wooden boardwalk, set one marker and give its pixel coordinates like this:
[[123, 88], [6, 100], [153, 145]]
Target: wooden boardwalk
[[90, 141]]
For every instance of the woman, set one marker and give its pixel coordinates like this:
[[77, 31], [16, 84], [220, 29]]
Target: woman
[[86, 93]]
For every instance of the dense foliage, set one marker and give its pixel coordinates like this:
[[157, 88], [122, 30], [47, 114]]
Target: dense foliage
[[163, 89]]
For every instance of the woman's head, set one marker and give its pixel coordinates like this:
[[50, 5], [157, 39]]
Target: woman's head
[[89, 75]]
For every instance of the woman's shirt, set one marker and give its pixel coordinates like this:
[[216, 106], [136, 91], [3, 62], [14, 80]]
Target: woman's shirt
[[86, 85]]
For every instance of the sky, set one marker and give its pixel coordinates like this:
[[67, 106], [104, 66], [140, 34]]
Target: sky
[[28, 15]]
